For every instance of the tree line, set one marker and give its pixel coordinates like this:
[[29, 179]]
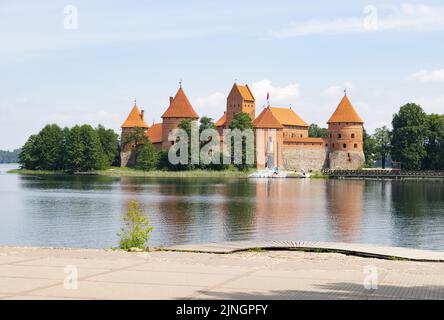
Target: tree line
[[77, 149], [9, 156], [84, 148]]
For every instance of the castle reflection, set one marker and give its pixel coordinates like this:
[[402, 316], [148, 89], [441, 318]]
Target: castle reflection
[[345, 207]]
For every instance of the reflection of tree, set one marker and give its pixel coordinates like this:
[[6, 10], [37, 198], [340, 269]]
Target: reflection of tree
[[68, 211], [417, 208], [75, 182], [240, 209], [345, 199]]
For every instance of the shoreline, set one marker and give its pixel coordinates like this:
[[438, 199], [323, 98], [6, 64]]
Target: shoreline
[[127, 172], [370, 251]]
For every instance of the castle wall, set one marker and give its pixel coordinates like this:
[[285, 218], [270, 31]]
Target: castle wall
[[310, 158], [346, 160]]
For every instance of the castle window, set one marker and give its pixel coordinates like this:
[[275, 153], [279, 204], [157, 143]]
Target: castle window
[[301, 135], [339, 135], [326, 144], [331, 136], [353, 135], [344, 145], [356, 145]]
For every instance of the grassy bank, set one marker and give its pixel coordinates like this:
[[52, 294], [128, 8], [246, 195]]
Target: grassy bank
[[129, 172], [26, 171]]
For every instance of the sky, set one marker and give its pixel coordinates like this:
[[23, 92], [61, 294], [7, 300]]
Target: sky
[[86, 61]]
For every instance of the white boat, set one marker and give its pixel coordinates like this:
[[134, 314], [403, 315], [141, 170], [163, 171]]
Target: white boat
[[268, 174]]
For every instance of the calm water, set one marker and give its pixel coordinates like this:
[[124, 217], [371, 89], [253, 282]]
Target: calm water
[[86, 211]]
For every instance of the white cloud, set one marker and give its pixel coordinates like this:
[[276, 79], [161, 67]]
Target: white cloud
[[212, 105], [428, 76], [335, 91], [277, 94], [406, 17]]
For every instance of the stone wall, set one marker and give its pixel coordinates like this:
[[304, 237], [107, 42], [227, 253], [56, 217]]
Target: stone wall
[[309, 159], [127, 158], [346, 160]]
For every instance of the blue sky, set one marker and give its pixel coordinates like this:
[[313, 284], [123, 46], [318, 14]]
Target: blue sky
[[303, 53]]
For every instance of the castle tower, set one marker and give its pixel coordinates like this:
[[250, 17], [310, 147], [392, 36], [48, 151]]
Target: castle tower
[[135, 119], [345, 137], [179, 109], [240, 99]]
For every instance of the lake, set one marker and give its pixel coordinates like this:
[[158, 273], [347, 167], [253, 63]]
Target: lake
[[85, 211]]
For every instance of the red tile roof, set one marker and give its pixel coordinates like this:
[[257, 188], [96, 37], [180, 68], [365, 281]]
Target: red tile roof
[[266, 119], [135, 119], [272, 117], [345, 112], [287, 116], [180, 107], [245, 92], [222, 121], [155, 133]]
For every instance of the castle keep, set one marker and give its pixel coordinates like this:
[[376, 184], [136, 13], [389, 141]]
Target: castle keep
[[281, 134]]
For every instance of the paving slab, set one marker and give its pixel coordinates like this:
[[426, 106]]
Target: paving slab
[[38, 273]]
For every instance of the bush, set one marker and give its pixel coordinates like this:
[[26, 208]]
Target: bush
[[136, 228], [148, 158]]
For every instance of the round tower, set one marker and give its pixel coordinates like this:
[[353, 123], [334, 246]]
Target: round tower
[[135, 119], [345, 138]]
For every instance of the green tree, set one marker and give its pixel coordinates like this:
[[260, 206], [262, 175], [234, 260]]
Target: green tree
[[314, 131], [136, 228], [147, 158], [29, 156], [369, 146], [408, 136], [137, 137], [382, 138], [44, 150], [83, 150], [110, 145], [206, 123], [242, 121], [434, 143]]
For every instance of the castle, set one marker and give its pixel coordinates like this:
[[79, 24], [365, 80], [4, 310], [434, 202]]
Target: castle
[[281, 134]]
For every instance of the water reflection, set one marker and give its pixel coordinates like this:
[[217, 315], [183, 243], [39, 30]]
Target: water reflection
[[345, 207], [86, 211]]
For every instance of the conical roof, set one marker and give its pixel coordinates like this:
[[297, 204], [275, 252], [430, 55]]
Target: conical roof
[[180, 107], [135, 119], [345, 112]]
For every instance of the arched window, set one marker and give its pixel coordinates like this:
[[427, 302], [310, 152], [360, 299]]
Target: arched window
[[344, 145], [339, 135], [356, 145], [353, 135]]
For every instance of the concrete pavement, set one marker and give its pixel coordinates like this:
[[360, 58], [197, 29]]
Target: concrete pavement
[[39, 273]]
